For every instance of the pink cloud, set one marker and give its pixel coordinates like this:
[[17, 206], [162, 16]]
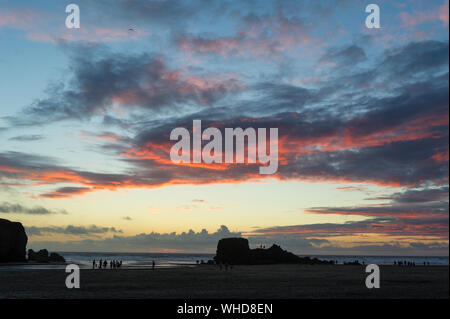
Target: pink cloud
[[40, 27], [23, 19], [443, 13], [417, 18], [262, 36]]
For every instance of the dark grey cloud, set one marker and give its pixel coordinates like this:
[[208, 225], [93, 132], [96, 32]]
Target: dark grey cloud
[[27, 138], [71, 230], [349, 133], [8, 208], [398, 163], [100, 78], [66, 192], [411, 212], [422, 195], [26, 167], [414, 60], [343, 57], [435, 210], [186, 241], [202, 241], [205, 242], [364, 155], [25, 160], [386, 225]]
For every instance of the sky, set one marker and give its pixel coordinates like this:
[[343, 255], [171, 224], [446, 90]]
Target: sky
[[362, 116]]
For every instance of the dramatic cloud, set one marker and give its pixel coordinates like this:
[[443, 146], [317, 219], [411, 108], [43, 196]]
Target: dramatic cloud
[[420, 212], [102, 79], [399, 138], [350, 105]]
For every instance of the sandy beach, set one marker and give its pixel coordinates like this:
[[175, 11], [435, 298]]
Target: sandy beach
[[204, 281]]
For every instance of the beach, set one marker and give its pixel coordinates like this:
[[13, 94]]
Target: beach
[[207, 281]]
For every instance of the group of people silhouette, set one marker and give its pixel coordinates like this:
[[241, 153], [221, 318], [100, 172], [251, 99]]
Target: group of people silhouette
[[225, 266], [221, 265], [408, 263], [113, 264], [104, 264]]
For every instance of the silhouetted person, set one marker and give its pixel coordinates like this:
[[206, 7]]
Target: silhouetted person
[[100, 264], [153, 265], [93, 264], [105, 264]]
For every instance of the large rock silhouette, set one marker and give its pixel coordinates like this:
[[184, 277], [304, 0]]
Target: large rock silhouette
[[13, 241], [42, 256], [237, 251]]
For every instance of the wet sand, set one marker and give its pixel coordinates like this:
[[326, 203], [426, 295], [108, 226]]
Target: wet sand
[[205, 281]]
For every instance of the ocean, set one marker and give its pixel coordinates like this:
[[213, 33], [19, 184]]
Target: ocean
[[169, 260]]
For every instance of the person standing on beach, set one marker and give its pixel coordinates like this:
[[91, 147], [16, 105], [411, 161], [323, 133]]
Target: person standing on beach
[[93, 264], [100, 263], [153, 265]]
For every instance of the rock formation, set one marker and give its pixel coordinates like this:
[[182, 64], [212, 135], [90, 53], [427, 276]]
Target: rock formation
[[42, 256], [13, 244], [13, 241], [237, 251], [56, 258]]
